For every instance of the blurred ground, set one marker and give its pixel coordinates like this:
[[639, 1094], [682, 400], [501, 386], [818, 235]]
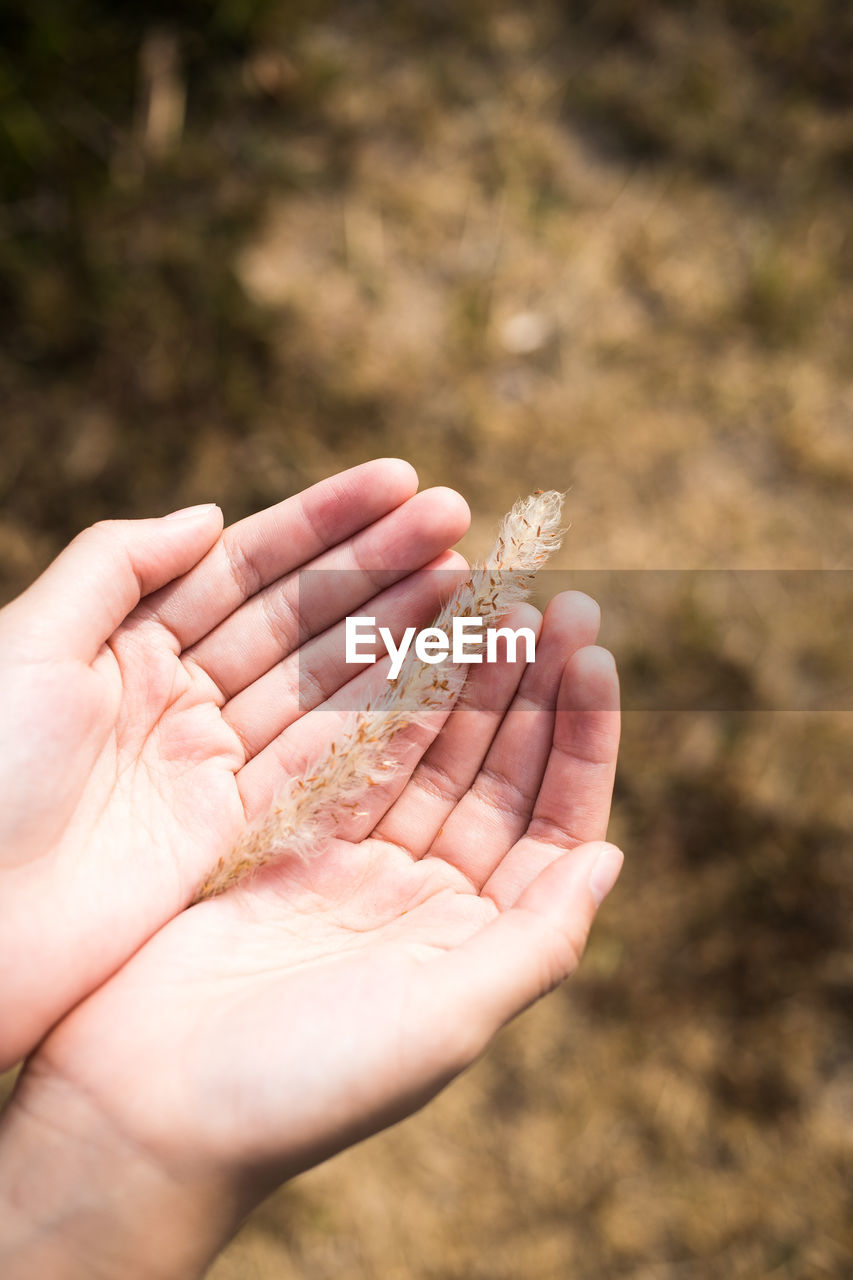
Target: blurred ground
[[600, 247]]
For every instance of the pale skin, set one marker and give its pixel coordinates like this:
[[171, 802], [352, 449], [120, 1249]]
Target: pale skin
[[234, 1044]]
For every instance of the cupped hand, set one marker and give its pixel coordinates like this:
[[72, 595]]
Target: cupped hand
[[151, 663], [261, 1031]]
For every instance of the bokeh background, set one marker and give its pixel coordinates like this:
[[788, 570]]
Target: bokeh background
[[606, 247]]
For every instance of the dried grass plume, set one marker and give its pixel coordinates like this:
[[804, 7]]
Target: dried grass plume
[[306, 810]]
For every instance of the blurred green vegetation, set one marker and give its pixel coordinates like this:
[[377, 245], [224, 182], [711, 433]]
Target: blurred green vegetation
[[606, 247]]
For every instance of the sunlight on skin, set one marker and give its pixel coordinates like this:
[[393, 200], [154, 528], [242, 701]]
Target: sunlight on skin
[[257, 1033], [263, 1030], [128, 741]]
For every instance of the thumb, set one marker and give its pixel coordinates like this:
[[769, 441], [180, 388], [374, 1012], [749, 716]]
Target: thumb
[[529, 949], [80, 599]]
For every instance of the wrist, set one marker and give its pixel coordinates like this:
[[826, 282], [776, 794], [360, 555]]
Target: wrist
[[79, 1200]]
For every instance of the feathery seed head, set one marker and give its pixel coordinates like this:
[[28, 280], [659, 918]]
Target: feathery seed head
[[306, 810]]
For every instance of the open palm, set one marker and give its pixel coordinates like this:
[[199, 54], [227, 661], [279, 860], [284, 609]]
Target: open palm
[[261, 1031], [149, 683]]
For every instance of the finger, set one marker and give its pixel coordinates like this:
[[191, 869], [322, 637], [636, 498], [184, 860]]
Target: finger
[[496, 810], [573, 805], [452, 762], [100, 577], [526, 951], [278, 619], [307, 741], [265, 546], [492, 823], [309, 677]]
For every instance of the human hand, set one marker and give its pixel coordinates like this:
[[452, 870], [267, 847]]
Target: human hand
[[261, 1031], [148, 681]]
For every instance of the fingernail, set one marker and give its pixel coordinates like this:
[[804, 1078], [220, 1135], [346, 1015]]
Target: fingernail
[[605, 872], [189, 513]]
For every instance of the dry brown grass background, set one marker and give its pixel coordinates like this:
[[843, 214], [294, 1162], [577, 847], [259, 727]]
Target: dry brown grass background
[[605, 248]]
